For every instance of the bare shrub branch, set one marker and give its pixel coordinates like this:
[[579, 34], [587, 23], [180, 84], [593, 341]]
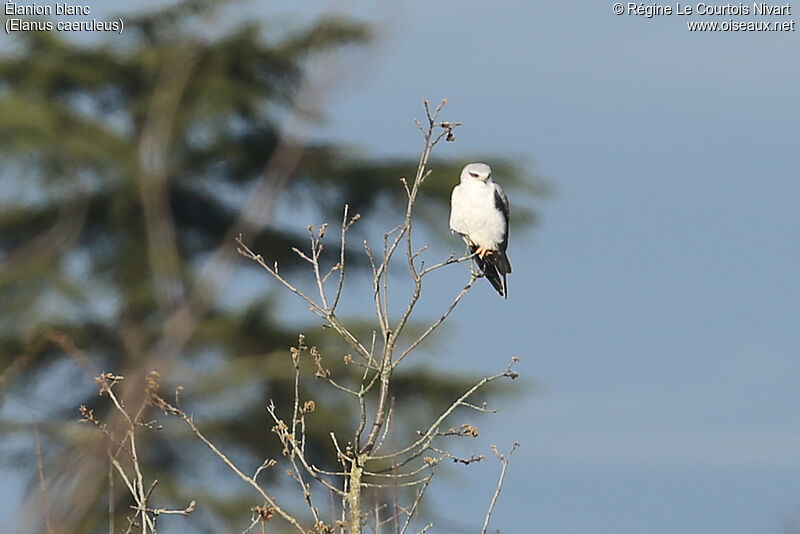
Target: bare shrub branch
[[145, 517]]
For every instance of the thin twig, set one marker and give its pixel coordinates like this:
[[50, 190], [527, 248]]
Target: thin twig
[[169, 409], [504, 460], [293, 451], [509, 373], [439, 321], [343, 247], [315, 307], [417, 500], [164, 511]]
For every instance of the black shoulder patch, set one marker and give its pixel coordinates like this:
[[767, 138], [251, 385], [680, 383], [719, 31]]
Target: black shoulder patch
[[501, 204]]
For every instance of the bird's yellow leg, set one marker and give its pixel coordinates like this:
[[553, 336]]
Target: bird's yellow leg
[[482, 252]]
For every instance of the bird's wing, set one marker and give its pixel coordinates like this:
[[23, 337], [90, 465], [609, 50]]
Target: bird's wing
[[458, 223], [501, 204], [453, 210]]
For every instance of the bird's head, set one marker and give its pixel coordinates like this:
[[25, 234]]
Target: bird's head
[[476, 171]]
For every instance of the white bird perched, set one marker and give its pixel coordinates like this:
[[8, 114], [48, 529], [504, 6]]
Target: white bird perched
[[479, 214]]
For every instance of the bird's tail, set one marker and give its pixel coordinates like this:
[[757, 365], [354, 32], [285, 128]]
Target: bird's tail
[[495, 267]]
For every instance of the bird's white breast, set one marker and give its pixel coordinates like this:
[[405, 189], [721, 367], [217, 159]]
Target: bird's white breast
[[473, 214]]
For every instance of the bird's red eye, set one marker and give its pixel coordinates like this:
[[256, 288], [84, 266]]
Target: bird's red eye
[[474, 174]]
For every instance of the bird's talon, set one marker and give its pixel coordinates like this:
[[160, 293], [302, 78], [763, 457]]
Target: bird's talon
[[482, 252]]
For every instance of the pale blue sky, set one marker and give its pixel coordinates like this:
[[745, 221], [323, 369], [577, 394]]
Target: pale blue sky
[[656, 308]]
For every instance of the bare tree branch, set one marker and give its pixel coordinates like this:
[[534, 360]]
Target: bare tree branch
[[429, 433], [412, 466], [391, 335]]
